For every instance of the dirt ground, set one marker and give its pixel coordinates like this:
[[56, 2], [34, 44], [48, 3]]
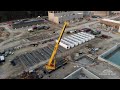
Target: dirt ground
[[22, 36]]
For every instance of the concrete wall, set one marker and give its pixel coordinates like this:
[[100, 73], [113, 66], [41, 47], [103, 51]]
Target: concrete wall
[[89, 74], [87, 13], [110, 23], [76, 73], [66, 16], [63, 13], [56, 20], [116, 12], [101, 57], [68, 13], [50, 16], [101, 13], [70, 17], [109, 51]]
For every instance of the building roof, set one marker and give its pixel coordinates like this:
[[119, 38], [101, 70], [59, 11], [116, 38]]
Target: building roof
[[113, 21]]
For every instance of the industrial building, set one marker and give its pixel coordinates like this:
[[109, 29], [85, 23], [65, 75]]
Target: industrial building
[[109, 22], [101, 13], [97, 13], [61, 16], [116, 12], [87, 13], [112, 23]]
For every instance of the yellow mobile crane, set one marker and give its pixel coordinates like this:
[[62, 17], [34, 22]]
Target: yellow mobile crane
[[52, 62]]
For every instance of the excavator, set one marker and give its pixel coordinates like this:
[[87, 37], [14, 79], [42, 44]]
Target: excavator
[[51, 65]]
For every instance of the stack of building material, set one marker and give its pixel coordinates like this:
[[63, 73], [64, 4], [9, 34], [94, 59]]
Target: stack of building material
[[32, 58], [75, 40]]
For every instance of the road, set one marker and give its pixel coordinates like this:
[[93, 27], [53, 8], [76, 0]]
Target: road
[[11, 38], [85, 24]]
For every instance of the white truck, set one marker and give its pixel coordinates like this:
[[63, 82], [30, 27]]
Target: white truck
[[30, 30]]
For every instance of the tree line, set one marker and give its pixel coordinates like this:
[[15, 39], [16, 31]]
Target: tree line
[[13, 15]]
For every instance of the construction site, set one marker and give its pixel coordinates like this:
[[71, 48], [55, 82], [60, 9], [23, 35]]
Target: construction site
[[62, 45]]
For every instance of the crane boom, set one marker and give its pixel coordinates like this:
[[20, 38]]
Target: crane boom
[[52, 62]]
